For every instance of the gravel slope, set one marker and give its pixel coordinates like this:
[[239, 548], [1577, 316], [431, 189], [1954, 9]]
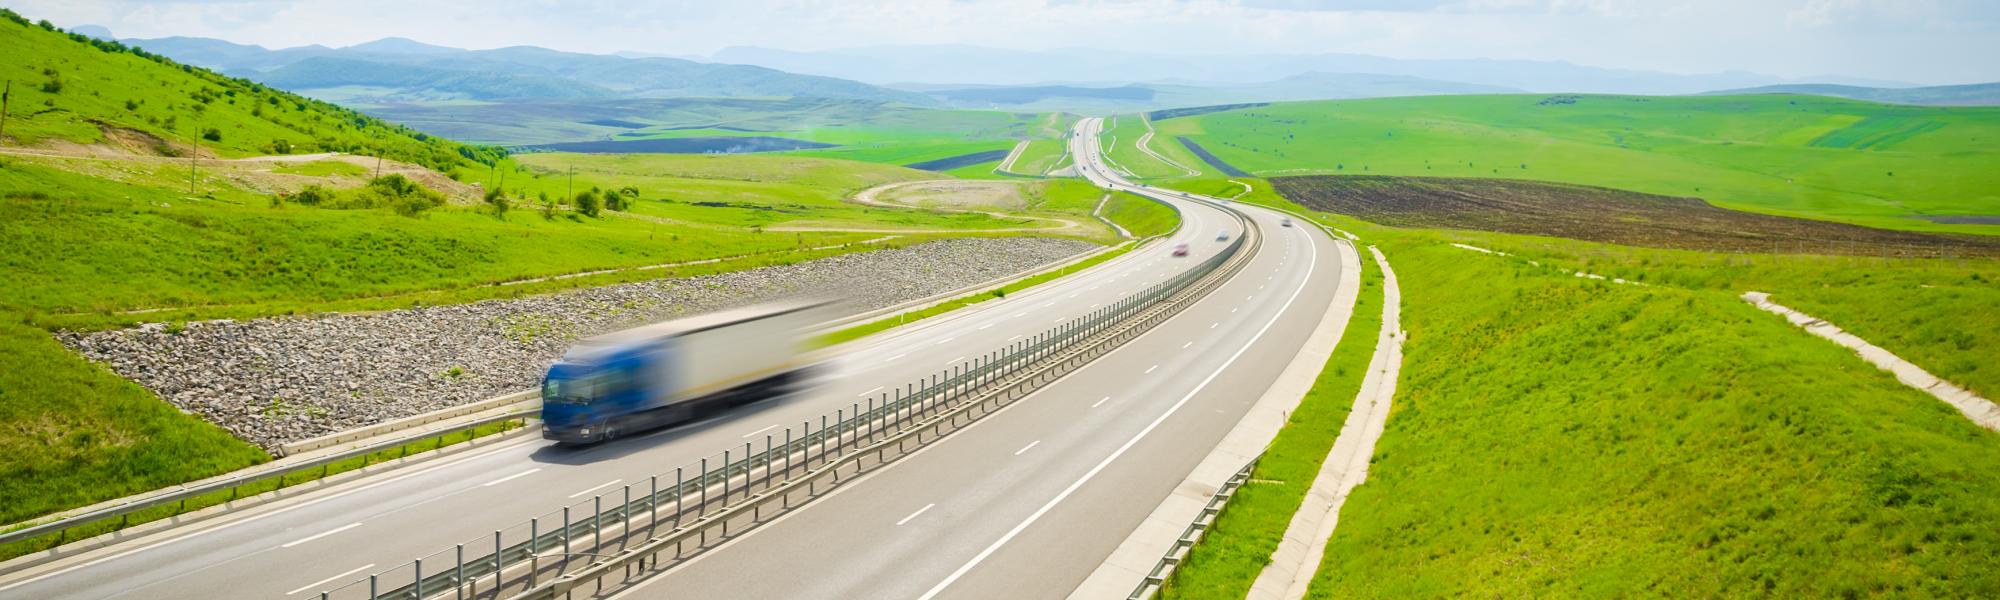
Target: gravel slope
[[276, 380]]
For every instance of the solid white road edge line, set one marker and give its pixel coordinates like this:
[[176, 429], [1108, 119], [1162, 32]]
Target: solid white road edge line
[[1092, 474], [320, 535], [775, 425]]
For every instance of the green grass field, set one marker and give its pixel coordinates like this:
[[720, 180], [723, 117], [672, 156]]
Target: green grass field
[[1558, 436], [1121, 137], [1870, 164], [1041, 156]]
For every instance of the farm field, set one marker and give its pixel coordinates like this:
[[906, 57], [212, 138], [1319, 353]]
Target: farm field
[[1605, 215], [1887, 166], [1647, 440]]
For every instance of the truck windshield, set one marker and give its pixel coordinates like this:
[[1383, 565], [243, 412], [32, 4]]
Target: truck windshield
[[569, 390]]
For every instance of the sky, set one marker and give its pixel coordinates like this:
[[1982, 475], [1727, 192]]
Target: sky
[[1918, 41]]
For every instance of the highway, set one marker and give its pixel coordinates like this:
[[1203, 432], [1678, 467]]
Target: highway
[[1029, 501], [295, 547]]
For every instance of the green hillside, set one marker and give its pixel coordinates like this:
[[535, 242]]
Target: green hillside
[[72, 88], [1872, 164]]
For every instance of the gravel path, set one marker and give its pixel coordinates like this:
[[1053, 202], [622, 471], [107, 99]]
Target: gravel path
[[276, 380]]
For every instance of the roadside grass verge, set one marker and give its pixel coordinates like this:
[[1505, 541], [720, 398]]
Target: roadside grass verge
[[1239, 544], [1554, 436], [73, 433], [1125, 131], [197, 503], [1144, 218]]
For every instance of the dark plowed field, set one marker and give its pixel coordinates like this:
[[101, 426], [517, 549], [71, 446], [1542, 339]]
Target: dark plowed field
[[1604, 215], [963, 160], [688, 145], [1162, 115], [1211, 159]]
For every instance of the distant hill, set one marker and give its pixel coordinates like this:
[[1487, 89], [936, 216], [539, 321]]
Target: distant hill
[[413, 71], [1977, 94], [406, 82], [973, 64], [72, 87], [1151, 96]]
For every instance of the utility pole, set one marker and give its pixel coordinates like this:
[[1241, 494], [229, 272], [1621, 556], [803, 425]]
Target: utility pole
[[572, 182], [191, 157], [378, 166], [5, 95]]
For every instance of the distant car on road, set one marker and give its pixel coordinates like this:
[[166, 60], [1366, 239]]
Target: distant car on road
[[1287, 222], [1222, 236], [1180, 249]]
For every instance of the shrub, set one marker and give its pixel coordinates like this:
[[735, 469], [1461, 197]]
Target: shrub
[[312, 195], [498, 201], [211, 134], [614, 200], [587, 203]]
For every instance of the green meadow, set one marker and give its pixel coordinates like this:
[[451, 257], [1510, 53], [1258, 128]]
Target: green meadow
[[1560, 436], [1554, 435], [1879, 165]]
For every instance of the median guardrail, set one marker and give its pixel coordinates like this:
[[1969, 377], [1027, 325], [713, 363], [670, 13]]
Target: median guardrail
[[620, 529]]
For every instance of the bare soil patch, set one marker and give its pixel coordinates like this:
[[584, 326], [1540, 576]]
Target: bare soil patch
[[958, 194], [1606, 215]]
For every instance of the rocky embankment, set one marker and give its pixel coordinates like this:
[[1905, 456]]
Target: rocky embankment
[[277, 380]]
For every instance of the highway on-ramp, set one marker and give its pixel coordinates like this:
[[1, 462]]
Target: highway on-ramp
[[319, 538], [1028, 502]]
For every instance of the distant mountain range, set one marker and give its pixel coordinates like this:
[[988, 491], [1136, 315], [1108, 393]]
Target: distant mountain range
[[942, 64], [1978, 94], [396, 70]]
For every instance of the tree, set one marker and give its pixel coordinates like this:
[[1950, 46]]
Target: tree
[[588, 204], [614, 200]]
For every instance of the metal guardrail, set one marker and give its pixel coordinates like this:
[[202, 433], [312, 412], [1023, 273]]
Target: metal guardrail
[[1164, 569], [233, 485], [717, 490]]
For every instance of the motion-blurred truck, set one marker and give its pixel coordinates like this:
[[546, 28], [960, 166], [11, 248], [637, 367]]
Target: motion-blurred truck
[[660, 374]]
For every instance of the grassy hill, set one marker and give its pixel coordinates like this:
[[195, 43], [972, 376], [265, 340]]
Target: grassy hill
[[71, 88], [1879, 165]]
